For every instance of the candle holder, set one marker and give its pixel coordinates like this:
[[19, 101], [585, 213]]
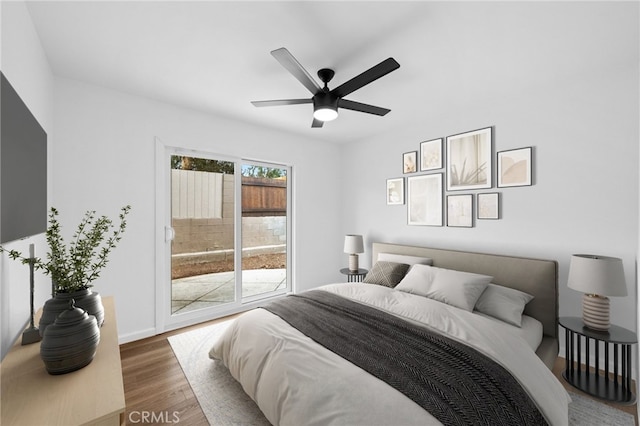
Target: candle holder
[[31, 334]]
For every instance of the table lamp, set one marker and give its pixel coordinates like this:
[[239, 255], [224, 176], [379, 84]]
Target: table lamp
[[597, 277], [353, 245]]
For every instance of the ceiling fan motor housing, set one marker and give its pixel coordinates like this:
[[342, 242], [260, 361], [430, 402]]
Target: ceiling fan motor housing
[[325, 99]]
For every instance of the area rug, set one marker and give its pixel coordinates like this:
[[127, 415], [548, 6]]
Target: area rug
[[221, 397], [225, 404]]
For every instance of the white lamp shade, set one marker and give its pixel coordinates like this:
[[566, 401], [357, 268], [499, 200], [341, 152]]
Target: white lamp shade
[[353, 244], [593, 274]]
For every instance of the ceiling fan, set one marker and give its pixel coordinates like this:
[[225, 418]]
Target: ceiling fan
[[326, 102]]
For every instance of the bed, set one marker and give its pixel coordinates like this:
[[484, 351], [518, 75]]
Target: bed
[[304, 365]]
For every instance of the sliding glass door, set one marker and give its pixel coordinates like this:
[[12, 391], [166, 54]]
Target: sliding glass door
[[226, 234], [203, 222], [264, 229]]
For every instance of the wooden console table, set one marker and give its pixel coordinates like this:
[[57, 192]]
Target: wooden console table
[[93, 395]]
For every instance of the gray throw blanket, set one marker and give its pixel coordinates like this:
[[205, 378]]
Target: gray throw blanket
[[455, 383]]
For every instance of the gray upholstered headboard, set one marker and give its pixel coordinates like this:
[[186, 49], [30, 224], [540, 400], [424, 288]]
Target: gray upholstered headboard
[[534, 276]]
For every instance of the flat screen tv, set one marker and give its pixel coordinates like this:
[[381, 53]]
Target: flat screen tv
[[23, 168]]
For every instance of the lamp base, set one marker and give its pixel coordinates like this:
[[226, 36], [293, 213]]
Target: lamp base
[[353, 263], [595, 312]]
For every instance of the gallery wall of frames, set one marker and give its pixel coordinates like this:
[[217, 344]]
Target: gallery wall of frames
[[451, 181]]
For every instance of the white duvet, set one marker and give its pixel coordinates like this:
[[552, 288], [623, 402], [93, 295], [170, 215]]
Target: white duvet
[[296, 381]]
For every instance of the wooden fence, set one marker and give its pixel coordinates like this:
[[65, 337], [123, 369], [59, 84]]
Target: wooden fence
[[264, 197]]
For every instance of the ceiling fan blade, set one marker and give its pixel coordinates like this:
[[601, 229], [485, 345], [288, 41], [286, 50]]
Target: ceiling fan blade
[[292, 65], [370, 75], [357, 106], [317, 123], [282, 102]]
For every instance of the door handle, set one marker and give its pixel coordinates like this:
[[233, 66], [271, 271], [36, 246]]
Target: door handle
[[169, 234]]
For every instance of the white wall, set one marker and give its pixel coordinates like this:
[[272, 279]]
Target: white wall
[[25, 66], [585, 197], [104, 159]]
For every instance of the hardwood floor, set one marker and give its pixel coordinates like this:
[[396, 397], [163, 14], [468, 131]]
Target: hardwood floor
[[155, 385]]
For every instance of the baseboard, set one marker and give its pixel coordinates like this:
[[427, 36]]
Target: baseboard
[[131, 337]]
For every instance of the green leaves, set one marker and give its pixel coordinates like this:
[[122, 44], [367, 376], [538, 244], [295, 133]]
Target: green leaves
[[76, 266]]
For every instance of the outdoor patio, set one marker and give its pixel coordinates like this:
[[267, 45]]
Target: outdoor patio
[[203, 291]]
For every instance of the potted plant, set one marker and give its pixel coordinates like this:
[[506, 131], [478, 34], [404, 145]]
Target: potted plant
[[75, 266]]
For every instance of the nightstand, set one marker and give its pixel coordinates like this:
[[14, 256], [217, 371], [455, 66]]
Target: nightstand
[[354, 276], [616, 389]]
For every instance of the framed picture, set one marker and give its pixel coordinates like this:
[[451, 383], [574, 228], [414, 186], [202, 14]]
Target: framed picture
[[431, 155], [514, 167], [487, 205], [410, 162], [469, 160], [424, 200], [395, 191], [460, 210]]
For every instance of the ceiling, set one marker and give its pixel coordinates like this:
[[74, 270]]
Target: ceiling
[[214, 56]]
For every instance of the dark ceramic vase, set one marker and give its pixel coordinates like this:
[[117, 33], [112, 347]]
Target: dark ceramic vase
[[86, 299], [70, 343]]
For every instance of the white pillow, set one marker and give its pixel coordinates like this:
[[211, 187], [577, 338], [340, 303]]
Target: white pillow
[[455, 288], [418, 280], [401, 258], [503, 303]]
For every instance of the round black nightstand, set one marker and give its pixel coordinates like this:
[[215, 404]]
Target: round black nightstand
[[354, 276], [616, 389]]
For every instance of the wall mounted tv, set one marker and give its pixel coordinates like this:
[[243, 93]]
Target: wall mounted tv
[[23, 168]]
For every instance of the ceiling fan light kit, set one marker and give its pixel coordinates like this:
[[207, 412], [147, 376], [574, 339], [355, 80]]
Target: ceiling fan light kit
[[325, 114], [325, 106], [326, 102]]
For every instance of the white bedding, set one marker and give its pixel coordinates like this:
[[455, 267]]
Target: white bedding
[[531, 329], [295, 381]]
